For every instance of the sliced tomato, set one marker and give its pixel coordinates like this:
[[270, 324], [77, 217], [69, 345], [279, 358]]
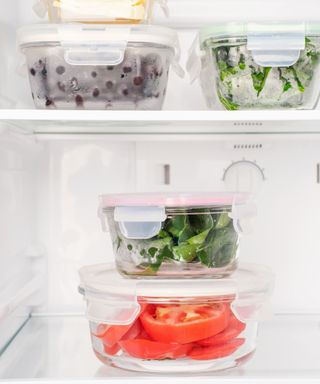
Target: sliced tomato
[[112, 350], [153, 350], [113, 333], [215, 351], [185, 324], [233, 330]]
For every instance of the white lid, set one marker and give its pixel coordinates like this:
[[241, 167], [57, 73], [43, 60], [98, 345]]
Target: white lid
[[80, 34], [271, 44], [107, 293], [249, 279], [97, 44]]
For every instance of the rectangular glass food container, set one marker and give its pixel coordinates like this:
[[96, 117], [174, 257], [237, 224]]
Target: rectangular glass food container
[[175, 235], [76, 66], [177, 325], [258, 65], [99, 11]]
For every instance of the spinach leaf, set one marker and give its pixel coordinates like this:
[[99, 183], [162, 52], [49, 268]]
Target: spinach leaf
[[185, 252], [296, 78], [214, 253], [228, 104], [176, 225], [286, 83], [223, 221], [202, 222], [259, 79]]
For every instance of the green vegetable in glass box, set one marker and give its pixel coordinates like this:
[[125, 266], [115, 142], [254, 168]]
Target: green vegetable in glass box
[[232, 79], [195, 235]]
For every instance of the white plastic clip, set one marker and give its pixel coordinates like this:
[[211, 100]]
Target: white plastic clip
[[276, 45], [194, 63], [93, 45], [242, 215], [140, 223]]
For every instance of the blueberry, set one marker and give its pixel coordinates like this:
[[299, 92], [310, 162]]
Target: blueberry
[[125, 92], [94, 74], [127, 69], [44, 72], [96, 92], [61, 86], [122, 76], [60, 70], [110, 67], [48, 102], [109, 84], [79, 101], [33, 71], [138, 80]]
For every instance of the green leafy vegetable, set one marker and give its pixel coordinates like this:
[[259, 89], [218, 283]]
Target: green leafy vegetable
[[241, 83], [259, 79], [207, 238]]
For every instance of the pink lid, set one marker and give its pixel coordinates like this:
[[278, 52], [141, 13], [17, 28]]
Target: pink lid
[[204, 199]]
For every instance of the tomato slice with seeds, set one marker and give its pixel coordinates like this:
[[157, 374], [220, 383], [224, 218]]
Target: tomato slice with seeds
[[153, 350], [215, 351], [185, 324], [233, 330]]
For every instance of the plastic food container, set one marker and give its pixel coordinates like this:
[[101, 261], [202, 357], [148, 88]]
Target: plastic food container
[[176, 325], [175, 235], [74, 66], [99, 11], [258, 66]]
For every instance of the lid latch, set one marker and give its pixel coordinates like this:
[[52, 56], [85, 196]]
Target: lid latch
[[140, 223], [93, 45], [194, 63], [276, 45]]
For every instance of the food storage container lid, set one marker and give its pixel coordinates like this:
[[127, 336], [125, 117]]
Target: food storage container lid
[[272, 44], [97, 44], [140, 216], [91, 9], [175, 200], [108, 294]]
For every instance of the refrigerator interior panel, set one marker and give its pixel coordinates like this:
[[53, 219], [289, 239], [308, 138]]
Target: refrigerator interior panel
[[49, 227]]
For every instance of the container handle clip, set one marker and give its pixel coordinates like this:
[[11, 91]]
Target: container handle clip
[[276, 45], [140, 223], [194, 62]]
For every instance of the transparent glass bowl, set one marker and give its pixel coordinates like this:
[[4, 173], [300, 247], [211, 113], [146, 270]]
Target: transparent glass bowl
[[192, 243], [177, 325], [139, 82], [177, 335], [231, 80]]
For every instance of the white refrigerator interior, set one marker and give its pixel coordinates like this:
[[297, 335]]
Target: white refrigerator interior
[[55, 164]]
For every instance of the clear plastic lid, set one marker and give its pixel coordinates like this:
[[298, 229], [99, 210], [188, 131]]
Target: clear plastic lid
[[272, 44], [108, 294], [95, 10], [99, 44]]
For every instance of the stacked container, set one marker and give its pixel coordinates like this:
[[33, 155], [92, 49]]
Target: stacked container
[[177, 300], [99, 54]]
